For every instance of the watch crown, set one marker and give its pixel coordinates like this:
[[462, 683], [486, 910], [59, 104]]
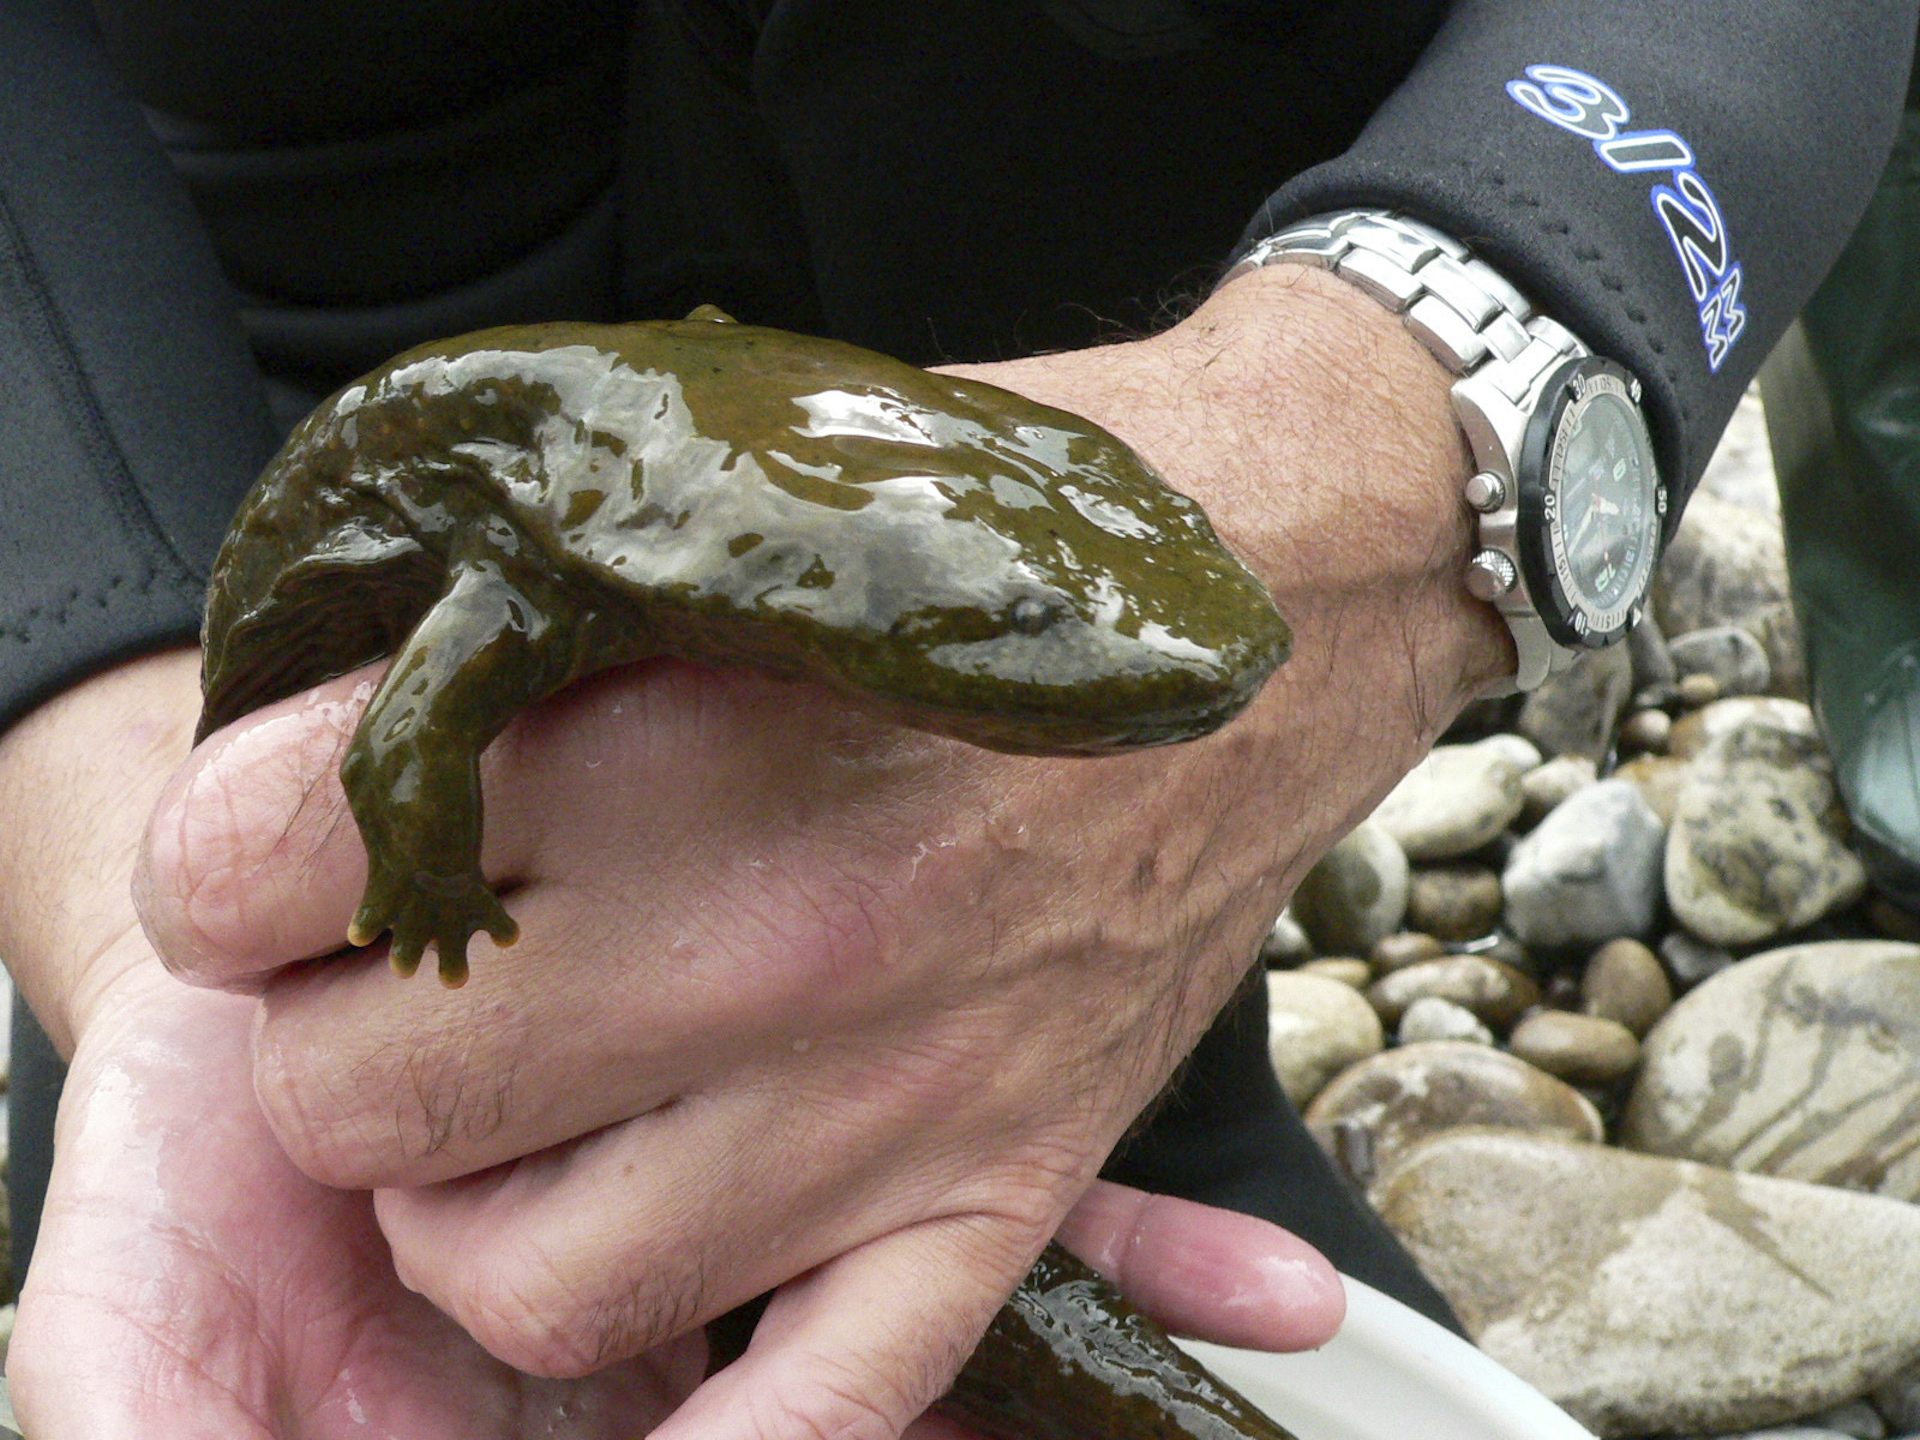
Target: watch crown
[[1490, 574], [1633, 391], [1486, 492]]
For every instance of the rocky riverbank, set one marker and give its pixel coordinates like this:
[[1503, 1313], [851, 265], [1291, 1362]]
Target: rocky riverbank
[[1600, 1011]]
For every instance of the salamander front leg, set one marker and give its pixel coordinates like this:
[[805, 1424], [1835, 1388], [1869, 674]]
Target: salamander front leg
[[483, 653]]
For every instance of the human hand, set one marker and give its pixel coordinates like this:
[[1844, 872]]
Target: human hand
[[804, 996], [190, 1283]]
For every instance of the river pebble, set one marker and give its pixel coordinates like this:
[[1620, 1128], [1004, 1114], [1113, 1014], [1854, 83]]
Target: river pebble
[[1588, 872], [1347, 969], [1624, 981], [1574, 712], [1736, 661], [1580, 1049], [1543, 788], [1694, 733], [1650, 1296], [1356, 895], [1691, 961], [1431, 1018], [1497, 993], [1693, 691], [1803, 1062], [1856, 1418], [1410, 947], [1645, 732], [1659, 779], [1453, 802], [1728, 566], [1454, 902], [1758, 842], [1286, 944], [1898, 1400], [1316, 1028], [1407, 1094]]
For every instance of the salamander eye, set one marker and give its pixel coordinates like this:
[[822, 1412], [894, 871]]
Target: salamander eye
[[1032, 615]]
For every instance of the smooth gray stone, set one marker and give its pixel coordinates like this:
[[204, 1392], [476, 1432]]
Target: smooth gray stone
[[1729, 654], [1652, 665], [1649, 1296], [1856, 1419], [1453, 802], [1803, 1062], [1546, 786], [1574, 712], [1898, 1400], [1692, 961], [1589, 872]]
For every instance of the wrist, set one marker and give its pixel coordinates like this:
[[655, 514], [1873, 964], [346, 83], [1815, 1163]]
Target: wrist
[[1345, 461]]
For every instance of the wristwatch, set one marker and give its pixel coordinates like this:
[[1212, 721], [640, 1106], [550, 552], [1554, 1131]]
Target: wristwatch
[[1566, 490]]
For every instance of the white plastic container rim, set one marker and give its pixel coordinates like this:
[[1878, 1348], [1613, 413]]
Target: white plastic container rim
[[1391, 1373]]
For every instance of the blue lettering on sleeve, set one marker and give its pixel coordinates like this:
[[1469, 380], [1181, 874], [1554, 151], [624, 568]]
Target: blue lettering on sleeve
[[1683, 203]]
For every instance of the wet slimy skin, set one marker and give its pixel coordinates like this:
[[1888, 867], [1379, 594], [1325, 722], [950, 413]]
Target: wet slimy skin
[[511, 510]]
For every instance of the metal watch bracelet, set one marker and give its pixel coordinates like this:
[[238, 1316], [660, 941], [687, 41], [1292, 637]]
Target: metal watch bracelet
[[1499, 348]]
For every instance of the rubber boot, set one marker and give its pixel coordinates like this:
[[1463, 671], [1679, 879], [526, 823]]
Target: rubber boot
[[1842, 398]]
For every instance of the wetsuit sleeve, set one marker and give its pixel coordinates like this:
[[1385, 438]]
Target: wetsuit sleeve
[[130, 417], [1670, 181]]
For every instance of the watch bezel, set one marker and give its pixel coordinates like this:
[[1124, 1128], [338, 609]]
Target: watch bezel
[[1569, 620]]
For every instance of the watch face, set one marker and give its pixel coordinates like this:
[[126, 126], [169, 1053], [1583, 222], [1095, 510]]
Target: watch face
[[1602, 508]]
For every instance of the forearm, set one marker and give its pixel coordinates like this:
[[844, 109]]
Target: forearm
[[78, 778], [1776, 121]]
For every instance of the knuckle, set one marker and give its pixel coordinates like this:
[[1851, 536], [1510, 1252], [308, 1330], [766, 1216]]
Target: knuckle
[[529, 1310], [237, 850], [324, 1133], [362, 1120], [836, 1400]]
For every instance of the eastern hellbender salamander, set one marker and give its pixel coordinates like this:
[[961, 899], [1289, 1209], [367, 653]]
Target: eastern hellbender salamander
[[511, 510]]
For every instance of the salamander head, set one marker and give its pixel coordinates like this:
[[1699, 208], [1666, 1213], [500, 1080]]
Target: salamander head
[[1067, 600]]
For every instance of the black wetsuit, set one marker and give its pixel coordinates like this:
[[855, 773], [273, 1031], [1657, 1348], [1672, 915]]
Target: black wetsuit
[[941, 179]]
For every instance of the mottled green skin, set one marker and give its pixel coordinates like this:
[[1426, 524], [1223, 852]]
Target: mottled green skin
[[514, 509], [511, 510], [1067, 1358]]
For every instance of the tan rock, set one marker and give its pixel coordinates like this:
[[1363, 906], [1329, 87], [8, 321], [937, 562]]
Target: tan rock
[[1625, 981], [1378, 1108], [1758, 842], [1802, 1062], [1580, 1049], [1494, 991], [1316, 1027], [1651, 1296]]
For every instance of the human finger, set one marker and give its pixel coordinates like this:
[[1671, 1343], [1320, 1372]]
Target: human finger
[[1208, 1273], [613, 1243], [865, 1343]]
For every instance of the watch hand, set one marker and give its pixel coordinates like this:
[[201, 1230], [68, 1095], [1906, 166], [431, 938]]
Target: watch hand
[[1579, 530]]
